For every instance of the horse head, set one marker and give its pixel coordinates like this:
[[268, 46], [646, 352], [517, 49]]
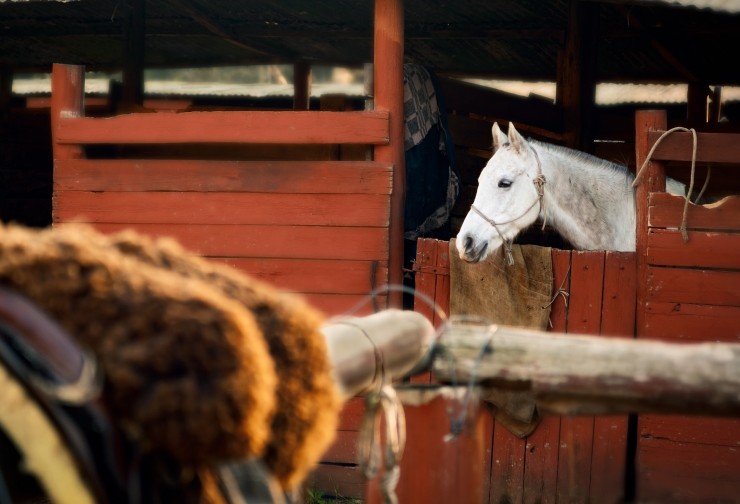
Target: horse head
[[509, 190]]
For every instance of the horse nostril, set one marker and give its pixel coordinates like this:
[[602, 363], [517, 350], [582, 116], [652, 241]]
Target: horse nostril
[[468, 243]]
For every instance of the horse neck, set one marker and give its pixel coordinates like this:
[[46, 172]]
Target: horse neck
[[589, 205]]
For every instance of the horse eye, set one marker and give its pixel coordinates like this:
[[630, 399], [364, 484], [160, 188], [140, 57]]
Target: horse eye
[[504, 183]]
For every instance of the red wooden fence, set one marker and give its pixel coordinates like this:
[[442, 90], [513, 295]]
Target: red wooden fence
[[688, 291]]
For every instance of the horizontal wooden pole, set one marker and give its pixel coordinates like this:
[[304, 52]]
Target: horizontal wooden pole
[[292, 177], [253, 127], [591, 375], [711, 147]]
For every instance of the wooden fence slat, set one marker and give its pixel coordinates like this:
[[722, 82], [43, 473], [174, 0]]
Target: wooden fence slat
[[338, 481], [609, 457], [704, 249], [507, 466], [305, 242], [340, 304], [343, 450], [247, 127], [293, 177], [314, 275], [216, 208], [682, 429], [576, 433], [666, 211], [543, 445], [711, 147], [425, 284], [692, 322], [694, 286]]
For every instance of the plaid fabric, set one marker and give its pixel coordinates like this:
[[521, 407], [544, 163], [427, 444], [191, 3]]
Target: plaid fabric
[[419, 104]]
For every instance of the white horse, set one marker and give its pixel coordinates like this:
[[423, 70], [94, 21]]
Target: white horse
[[589, 201]]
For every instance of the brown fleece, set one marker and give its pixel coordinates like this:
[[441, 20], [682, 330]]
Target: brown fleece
[[187, 370], [308, 403]]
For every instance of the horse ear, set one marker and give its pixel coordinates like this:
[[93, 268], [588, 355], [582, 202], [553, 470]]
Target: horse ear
[[515, 139], [499, 138]]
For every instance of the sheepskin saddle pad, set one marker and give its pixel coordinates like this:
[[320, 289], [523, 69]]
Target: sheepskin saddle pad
[[202, 364]]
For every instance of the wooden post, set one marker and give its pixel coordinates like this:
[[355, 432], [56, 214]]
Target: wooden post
[[576, 86], [388, 79], [67, 100], [135, 48], [653, 180], [301, 85]]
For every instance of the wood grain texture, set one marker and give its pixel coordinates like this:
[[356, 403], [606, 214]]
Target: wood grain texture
[[672, 321], [693, 286], [255, 127], [299, 242], [666, 211], [293, 177], [702, 250], [218, 208], [711, 147]]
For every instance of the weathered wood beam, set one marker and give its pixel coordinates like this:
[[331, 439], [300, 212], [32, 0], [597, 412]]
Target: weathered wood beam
[[573, 374], [576, 79], [132, 92]]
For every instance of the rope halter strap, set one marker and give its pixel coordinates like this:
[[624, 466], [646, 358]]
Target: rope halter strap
[[539, 185]]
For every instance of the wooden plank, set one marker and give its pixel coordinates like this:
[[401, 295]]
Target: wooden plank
[[693, 286], [653, 181], [711, 147], [250, 127], [388, 44], [337, 481], [442, 281], [350, 418], [666, 211], [677, 472], [576, 433], [692, 322], [214, 208], [702, 250], [343, 450], [313, 275], [683, 429], [299, 242], [542, 448], [609, 456], [425, 285], [507, 466], [309, 177], [67, 100], [345, 304]]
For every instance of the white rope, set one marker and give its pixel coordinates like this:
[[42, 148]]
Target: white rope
[[640, 173]]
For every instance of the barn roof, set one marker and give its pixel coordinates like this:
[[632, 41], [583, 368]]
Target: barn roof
[[638, 41]]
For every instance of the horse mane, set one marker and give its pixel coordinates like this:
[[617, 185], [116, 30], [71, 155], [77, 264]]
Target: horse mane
[[586, 159]]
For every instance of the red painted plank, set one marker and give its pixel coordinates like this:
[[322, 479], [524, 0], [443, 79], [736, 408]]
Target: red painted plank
[[299, 242], [350, 418], [336, 481], [67, 99], [442, 280], [215, 208], [694, 286], [343, 450], [576, 433], [675, 472], [313, 275], [587, 274], [541, 462], [683, 429], [425, 285], [507, 466], [346, 304], [542, 447], [703, 250], [293, 177], [690, 322], [666, 211], [711, 147], [249, 127], [609, 456]]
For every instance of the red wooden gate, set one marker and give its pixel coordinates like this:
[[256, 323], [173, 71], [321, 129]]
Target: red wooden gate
[[566, 459]]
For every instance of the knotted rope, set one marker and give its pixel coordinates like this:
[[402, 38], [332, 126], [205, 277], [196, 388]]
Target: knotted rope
[[640, 173]]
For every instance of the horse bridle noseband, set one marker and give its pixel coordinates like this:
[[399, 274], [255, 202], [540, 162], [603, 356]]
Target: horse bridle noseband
[[539, 185]]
